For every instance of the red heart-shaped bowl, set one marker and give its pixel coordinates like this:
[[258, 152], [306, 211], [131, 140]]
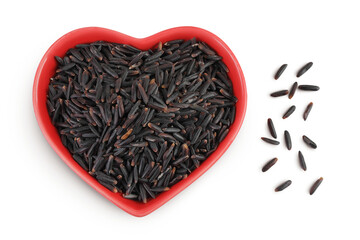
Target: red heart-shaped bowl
[[47, 68]]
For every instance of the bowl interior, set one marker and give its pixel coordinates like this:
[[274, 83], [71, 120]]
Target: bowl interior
[[47, 68]]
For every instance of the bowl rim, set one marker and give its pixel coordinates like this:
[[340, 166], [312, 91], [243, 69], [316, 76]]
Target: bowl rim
[[130, 206]]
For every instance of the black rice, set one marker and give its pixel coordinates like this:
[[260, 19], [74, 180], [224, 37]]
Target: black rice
[[315, 186], [280, 71], [289, 112], [283, 186], [141, 121], [309, 87], [269, 164], [271, 128], [302, 161], [287, 140], [293, 90], [279, 93], [307, 110], [271, 141], [304, 69], [309, 142]]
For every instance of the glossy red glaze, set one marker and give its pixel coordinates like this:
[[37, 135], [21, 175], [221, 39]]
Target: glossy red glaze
[[46, 70]]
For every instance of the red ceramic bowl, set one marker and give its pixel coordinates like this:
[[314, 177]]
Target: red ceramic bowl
[[46, 70]]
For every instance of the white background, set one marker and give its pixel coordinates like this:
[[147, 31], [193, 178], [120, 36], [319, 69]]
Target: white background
[[41, 198]]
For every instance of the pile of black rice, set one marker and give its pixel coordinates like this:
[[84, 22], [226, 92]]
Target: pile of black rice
[[141, 121]]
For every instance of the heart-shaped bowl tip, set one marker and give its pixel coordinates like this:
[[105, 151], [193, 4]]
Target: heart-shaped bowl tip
[[46, 70]]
